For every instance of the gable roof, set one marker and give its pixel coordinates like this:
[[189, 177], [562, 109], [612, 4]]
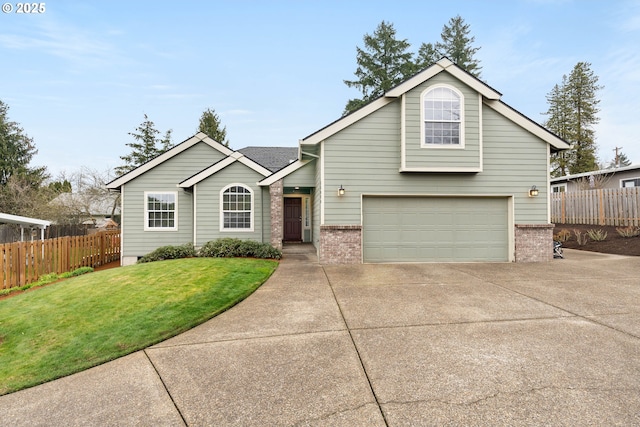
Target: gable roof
[[235, 156], [272, 158], [184, 145], [490, 96]]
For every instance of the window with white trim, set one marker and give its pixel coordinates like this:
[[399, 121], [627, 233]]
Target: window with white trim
[[442, 126], [632, 182], [161, 211], [237, 208], [559, 188]]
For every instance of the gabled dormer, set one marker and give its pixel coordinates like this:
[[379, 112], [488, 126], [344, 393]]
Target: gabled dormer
[[441, 120]]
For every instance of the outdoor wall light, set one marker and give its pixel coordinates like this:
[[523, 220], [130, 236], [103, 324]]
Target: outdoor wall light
[[341, 191], [533, 192]]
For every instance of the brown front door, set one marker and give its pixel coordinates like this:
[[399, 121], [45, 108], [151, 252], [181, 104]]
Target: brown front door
[[292, 219]]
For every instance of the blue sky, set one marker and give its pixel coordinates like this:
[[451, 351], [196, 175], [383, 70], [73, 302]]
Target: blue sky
[[81, 75]]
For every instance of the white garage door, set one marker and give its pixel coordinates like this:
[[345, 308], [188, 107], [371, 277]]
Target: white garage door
[[439, 229]]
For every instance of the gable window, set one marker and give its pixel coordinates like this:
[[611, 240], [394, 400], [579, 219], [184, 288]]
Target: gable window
[[442, 126], [237, 208], [160, 211]]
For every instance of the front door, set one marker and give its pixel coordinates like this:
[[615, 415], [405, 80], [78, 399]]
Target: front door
[[292, 219]]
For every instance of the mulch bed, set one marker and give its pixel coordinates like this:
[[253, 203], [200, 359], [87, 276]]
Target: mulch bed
[[613, 244]]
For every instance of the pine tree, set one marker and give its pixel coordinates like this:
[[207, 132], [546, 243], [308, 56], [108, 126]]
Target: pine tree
[[383, 63], [457, 45], [559, 122], [211, 125], [16, 151], [582, 87], [427, 55], [572, 113], [146, 146]]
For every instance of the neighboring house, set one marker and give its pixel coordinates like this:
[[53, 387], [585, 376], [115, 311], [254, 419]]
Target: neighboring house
[[622, 177], [87, 208], [437, 169]]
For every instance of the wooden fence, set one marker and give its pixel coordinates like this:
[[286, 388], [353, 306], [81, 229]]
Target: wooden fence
[[25, 262], [609, 206]]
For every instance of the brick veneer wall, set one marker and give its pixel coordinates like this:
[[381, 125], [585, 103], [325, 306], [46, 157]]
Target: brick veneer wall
[[534, 242], [277, 213], [340, 244]]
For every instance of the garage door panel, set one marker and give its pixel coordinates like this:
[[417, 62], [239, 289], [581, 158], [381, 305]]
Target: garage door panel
[[408, 229]]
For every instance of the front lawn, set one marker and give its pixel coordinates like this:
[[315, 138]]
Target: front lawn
[[88, 320]]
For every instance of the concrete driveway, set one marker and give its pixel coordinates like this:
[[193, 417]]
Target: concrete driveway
[[375, 345]]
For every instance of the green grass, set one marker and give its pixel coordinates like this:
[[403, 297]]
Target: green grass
[[88, 320]]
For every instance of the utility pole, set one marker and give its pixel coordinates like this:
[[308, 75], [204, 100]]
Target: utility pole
[[617, 161]]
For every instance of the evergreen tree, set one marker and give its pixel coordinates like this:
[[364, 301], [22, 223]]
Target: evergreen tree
[[427, 55], [559, 122], [572, 113], [16, 151], [457, 45], [383, 63], [145, 147], [211, 125], [582, 87]]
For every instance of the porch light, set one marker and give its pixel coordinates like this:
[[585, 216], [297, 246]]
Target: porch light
[[341, 191], [533, 192]]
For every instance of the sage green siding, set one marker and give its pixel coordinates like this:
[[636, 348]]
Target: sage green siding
[[207, 193], [365, 159], [303, 177], [162, 178], [442, 157]]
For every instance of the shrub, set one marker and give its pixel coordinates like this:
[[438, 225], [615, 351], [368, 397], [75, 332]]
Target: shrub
[[170, 252], [581, 238], [563, 235], [230, 248], [629, 231], [77, 272], [597, 235]]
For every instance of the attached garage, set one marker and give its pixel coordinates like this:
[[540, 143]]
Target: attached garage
[[437, 229]]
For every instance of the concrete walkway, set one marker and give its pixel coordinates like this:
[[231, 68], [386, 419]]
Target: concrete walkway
[[374, 345]]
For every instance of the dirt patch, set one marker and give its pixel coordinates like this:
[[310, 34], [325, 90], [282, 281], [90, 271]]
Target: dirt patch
[[613, 244]]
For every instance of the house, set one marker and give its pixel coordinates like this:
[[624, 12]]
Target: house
[[622, 177], [437, 169]]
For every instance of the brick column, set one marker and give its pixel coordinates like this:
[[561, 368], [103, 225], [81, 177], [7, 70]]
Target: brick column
[[277, 213], [534, 242], [340, 244]]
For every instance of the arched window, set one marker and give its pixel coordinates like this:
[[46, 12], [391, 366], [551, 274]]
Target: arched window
[[237, 208], [442, 109]]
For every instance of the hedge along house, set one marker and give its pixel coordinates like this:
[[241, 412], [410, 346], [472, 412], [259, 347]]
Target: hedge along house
[[437, 169]]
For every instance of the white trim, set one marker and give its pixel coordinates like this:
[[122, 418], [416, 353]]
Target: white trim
[[403, 132], [481, 134], [445, 65], [549, 186], [527, 124], [628, 179], [23, 220], [146, 212], [460, 169], [194, 207], [561, 185], [461, 121], [200, 176], [346, 121], [122, 235], [277, 176], [232, 158], [251, 215], [188, 143], [322, 187]]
